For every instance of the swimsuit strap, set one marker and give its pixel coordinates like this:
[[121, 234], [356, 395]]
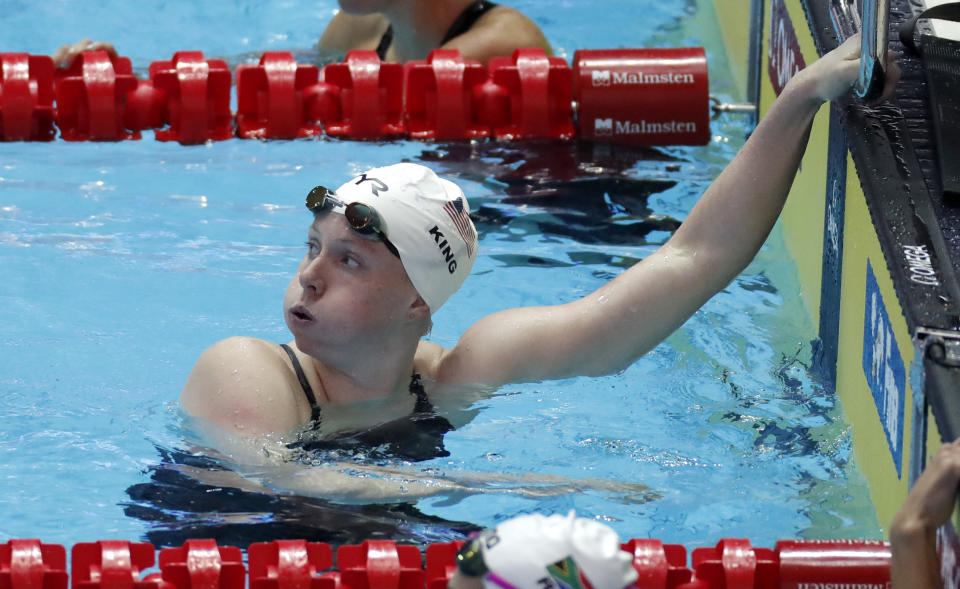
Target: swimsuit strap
[[304, 383], [470, 15], [423, 404], [385, 42]]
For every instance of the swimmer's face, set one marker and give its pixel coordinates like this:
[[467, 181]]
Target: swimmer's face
[[347, 289]]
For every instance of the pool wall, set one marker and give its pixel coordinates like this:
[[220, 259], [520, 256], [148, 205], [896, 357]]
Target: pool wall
[[229, 218], [882, 288]]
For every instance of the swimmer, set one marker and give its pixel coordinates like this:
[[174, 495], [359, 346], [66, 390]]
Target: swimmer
[[913, 533], [386, 249], [407, 30], [404, 30], [533, 551]]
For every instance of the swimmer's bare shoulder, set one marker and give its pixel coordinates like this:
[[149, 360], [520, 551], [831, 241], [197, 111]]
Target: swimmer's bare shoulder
[[347, 32], [245, 385], [497, 34]]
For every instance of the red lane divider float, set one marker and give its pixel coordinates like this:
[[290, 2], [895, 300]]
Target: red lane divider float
[[631, 96], [610, 89], [658, 565], [539, 90], [371, 97], [444, 99], [811, 562], [28, 564], [113, 564], [733, 564], [201, 564], [91, 98], [196, 96], [281, 99], [291, 564], [26, 97], [382, 564], [441, 563]]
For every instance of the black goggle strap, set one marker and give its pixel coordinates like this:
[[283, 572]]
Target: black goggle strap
[[470, 558]]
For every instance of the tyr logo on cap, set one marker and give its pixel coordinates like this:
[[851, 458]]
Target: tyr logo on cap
[[378, 185]]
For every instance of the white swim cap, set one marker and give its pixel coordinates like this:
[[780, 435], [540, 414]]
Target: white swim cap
[[427, 219], [555, 552]]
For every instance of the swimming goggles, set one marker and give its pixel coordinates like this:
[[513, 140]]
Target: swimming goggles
[[470, 562], [363, 218], [470, 558]]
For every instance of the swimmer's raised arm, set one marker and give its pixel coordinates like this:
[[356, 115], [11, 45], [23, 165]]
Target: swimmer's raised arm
[[609, 329]]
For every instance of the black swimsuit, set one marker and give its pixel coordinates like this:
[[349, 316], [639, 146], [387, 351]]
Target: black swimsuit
[[416, 437], [470, 15], [178, 506]]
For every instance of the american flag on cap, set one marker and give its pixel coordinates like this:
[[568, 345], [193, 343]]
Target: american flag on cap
[[455, 209]]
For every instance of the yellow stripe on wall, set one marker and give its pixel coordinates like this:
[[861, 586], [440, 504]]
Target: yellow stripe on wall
[[802, 228], [732, 18], [870, 442]]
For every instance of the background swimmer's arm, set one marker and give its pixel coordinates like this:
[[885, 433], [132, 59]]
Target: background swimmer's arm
[[609, 329], [243, 385], [64, 56]]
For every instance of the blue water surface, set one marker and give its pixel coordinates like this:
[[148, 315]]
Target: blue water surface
[[121, 262]]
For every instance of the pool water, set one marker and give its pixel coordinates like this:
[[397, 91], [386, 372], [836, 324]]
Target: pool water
[[121, 262]]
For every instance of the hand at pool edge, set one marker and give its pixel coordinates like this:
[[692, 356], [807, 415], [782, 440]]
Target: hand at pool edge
[[837, 71]]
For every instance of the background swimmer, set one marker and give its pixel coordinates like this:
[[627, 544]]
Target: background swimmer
[[405, 30], [533, 551]]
